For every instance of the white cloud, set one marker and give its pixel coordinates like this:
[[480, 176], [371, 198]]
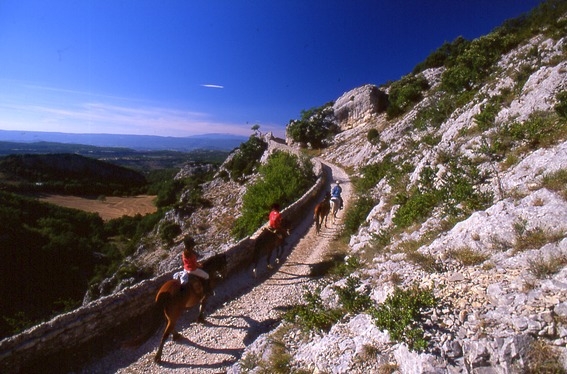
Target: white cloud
[[212, 86], [74, 112]]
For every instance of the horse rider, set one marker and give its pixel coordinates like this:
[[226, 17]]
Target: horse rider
[[275, 221], [191, 266], [336, 194]]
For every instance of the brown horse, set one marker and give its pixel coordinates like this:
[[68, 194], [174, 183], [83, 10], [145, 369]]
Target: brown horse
[[267, 241], [175, 299], [321, 212]]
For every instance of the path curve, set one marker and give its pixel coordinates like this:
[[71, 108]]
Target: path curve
[[241, 310]]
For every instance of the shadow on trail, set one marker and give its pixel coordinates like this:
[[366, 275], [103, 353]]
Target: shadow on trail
[[239, 284]]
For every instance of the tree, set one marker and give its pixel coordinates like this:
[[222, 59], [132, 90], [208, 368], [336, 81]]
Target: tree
[[316, 126]]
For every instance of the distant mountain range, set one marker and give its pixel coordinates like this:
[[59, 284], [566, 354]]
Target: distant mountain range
[[223, 142]]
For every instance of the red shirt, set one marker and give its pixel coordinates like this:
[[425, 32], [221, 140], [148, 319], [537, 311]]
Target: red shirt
[[189, 263], [275, 219]]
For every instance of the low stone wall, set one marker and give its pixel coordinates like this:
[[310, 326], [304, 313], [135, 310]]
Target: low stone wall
[[77, 335]]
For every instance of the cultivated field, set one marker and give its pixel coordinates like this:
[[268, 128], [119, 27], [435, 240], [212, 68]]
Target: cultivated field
[[109, 207]]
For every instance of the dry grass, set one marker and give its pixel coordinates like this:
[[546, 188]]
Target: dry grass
[[542, 358], [542, 268], [108, 207], [467, 256]]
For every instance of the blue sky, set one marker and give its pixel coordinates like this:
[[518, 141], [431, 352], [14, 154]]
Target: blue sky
[[188, 67]]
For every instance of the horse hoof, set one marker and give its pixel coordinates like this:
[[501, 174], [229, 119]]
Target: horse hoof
[[201, 319], [270, 266], [175, 336], [157, 359]]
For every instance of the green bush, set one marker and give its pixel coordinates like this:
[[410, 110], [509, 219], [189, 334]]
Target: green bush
[[316, 127], [541, 129], [443, 56], [561, 106], [556, 181], [246, 159], [485, 119], [313, 315], [169, 231], [415, 208], [352, 300], [436, 113], [372, 174], [373, 136], [460, 192], [402, 315], [356, 215], [283, 179], [405, 93], [456, 191]]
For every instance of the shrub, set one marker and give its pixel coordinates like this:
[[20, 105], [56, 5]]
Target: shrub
[[485, 119], [533, 238], [467, 256], [357, 213], [540, 130], [405, 93], [460, 191], [283, 179], [313, 315], [556, 181], [414, 208], [169, 231], [561, 106], [542, 268], [372, 174], [436, 113], [543, 358], [351, 299], [246, 159], [336, 265], [402, 315], [443, 56], [316, 126], [373, 136]]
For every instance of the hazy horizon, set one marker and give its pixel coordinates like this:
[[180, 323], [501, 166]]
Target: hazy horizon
[[181, 68]]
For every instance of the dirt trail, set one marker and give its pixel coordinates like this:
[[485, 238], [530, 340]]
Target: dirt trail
[[243, 308]]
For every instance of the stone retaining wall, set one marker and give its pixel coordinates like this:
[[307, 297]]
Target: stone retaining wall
[[74, 336]]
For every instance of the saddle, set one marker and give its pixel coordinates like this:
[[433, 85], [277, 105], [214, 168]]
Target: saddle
[[276, 232]]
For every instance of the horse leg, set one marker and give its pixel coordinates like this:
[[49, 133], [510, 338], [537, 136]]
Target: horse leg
[[201, 316], [256, 260], [269, 259], [166, 332], [279, 252], [171, 316]]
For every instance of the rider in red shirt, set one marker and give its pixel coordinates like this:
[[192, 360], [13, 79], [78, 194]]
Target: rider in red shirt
[[275, 221], [190, 264]]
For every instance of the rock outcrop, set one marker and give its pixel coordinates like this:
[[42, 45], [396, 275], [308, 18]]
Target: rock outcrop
[[499, 274], [359, 105]]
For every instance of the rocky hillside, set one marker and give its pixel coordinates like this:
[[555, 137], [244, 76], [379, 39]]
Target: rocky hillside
[[468, 191]]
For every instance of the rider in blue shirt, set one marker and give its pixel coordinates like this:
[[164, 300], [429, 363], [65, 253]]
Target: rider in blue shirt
[[336, 193]]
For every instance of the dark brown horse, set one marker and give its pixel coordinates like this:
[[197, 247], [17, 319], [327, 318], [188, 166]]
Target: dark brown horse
[[321, 212], [174, 300], [265, 244]]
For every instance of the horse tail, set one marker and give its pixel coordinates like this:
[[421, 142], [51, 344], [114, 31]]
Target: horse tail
[[153, 322]]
